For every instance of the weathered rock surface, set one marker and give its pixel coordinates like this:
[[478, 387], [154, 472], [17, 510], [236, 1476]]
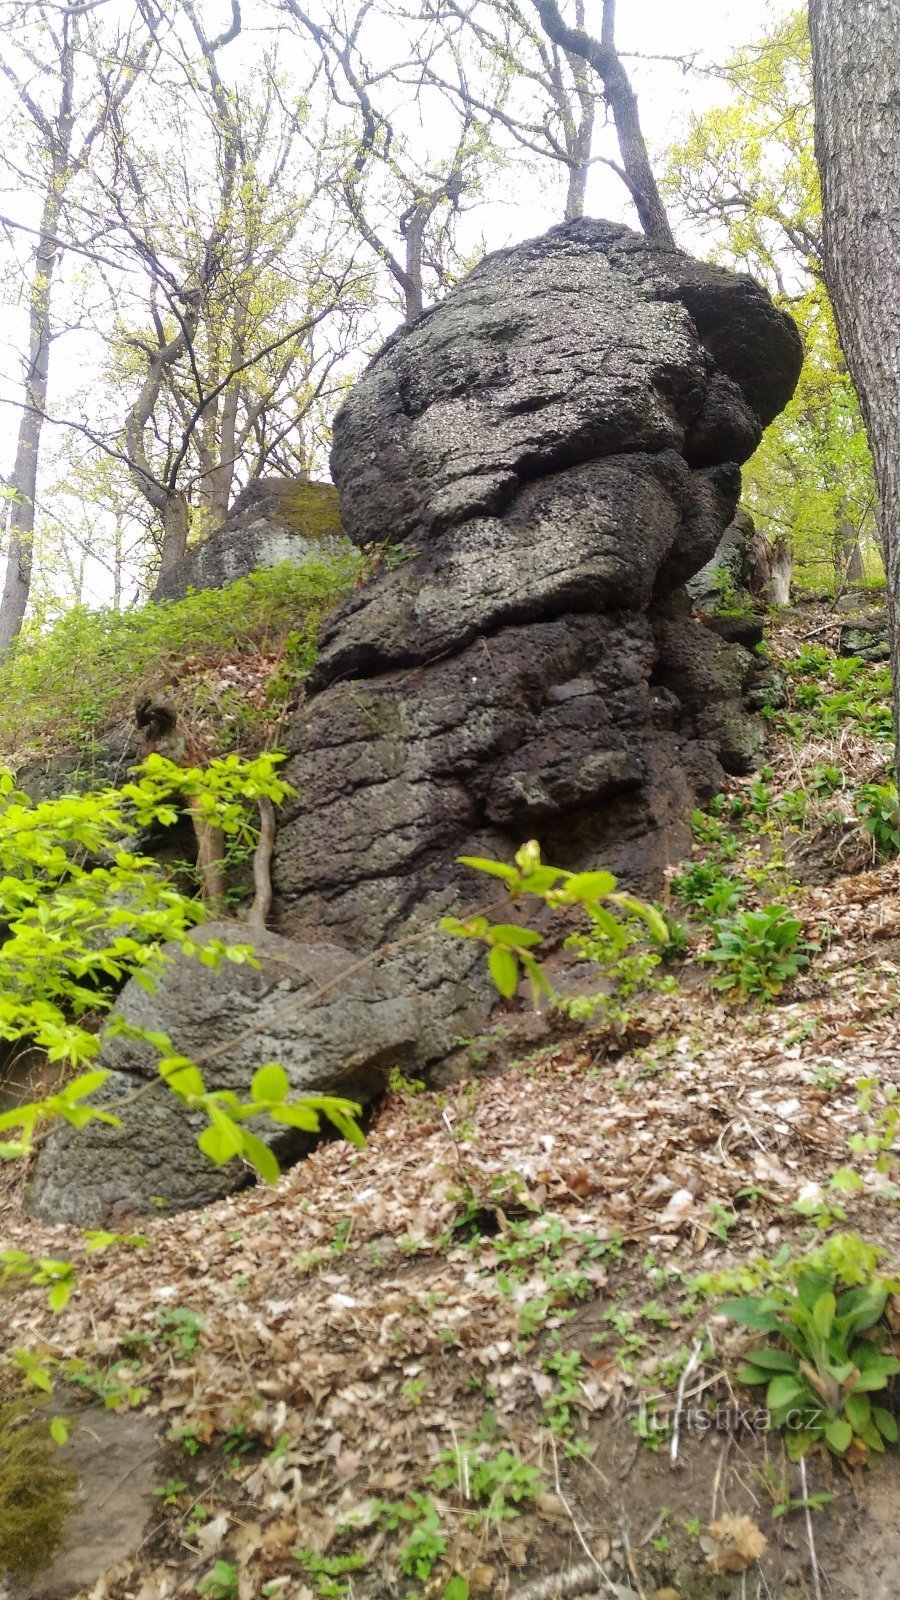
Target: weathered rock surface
[[274, 520], [732, 587], [865, 631], [555, 448], [551, 453], [344, 1042]]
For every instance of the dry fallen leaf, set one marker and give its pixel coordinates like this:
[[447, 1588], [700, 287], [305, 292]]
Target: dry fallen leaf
[[732, 1544]]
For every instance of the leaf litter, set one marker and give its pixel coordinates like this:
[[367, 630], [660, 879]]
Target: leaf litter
[[506, 1267]]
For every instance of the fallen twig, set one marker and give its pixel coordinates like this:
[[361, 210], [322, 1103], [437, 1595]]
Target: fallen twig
[[691, 1367], [813, 1563]]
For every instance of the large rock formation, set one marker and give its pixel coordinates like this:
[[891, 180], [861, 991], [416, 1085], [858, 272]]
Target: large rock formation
[[549, 454], [554, 451]]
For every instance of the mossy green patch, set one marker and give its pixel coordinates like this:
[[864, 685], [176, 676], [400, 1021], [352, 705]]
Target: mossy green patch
[[34, 1491]]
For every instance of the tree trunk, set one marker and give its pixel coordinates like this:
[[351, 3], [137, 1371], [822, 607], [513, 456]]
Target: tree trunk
[[856, 48], [848, 561], [176, 520], [601, 54], [17, 583], [782, 567]]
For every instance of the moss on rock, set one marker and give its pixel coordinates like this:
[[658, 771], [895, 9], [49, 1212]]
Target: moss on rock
[[34, 1491]]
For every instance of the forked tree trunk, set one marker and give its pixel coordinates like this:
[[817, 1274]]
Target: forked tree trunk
[[856, 50]]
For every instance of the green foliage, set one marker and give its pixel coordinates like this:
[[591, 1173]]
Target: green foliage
[[220, 1583], [82, 913], [499, 1484], [567, 1367], [825, 1310], [328, 1572], [614, 933], [745, 174], [705, 887], [878, 811], [757, 951], [34, 1492], [424, 1540], [88, 668]]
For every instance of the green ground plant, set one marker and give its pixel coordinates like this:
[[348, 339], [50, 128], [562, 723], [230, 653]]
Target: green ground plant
[[623, 930], [65, 680], [824, 1314], [757, 952], [497, 1485], [878, 812]]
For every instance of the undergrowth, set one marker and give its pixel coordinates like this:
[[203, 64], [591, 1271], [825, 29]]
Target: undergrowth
[[233, 659]]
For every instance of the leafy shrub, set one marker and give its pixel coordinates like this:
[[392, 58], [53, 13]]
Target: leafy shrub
[[824, 1311], [757, 951], [619, 923], [88, 667], [705, 887], [80, 913], [878, 811]]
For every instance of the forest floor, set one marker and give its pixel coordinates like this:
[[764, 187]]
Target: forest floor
[[475, 1356]]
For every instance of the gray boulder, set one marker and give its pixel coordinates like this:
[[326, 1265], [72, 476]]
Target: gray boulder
[[272, 521], [865, 632], [344, 1043]]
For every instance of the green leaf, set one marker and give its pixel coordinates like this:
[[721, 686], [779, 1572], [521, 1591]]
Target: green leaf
[[456, 1589], [221, 1141], [58, 1295], [85, 1085], [785, 1390], [504, 970], [59, 1430], [510, 933], [647, 913], [590, 885], [886, 1423], [858, 1410], [261, 1158], [846, 1179], [271, 1082], [750, 1313], [182, 1077], [494, 869], [751, 1375], [823, 1313], [839, 1435], [774, 1360]]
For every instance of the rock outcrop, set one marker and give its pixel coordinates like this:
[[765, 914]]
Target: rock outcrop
[[864, 630], [342, 1042], [734, 585], [554, 450], [549, 455], [271, 521]]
